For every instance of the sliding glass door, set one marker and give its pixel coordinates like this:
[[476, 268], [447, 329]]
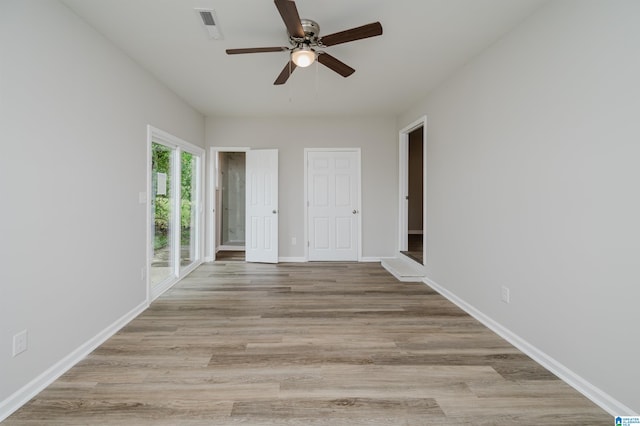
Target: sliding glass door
[[162, 205], [175, 210]]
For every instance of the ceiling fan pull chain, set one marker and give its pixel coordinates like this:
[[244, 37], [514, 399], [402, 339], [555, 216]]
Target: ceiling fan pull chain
[[317, 81]]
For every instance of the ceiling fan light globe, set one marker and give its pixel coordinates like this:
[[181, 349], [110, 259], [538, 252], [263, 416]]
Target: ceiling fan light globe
[[303, 57]]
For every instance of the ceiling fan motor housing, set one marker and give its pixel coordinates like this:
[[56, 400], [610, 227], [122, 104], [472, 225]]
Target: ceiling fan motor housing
[[311, 32]]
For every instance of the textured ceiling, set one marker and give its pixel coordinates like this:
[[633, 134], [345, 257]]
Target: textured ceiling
[[423, 42]]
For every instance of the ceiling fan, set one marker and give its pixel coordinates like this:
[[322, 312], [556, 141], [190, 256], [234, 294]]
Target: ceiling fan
[[305, 40]]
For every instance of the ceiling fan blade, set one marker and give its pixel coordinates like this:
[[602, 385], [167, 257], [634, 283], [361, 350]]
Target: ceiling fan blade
[[358, 33], [335, 64], [289, 13], [286, 72], [256, 50]]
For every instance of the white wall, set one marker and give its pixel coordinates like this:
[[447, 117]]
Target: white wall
[[376, 136], [533, 174], [73, 113]]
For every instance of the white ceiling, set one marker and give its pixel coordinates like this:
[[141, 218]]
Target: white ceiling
[[423, 42]]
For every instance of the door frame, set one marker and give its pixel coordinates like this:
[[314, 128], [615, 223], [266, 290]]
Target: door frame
[[211, 216], [403, 203], [358, 152], [160, 136]]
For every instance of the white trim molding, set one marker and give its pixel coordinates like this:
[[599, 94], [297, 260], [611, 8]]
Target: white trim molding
[[595, 394], [31, 389], [292, 259]]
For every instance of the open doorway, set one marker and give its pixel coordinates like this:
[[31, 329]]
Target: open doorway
[[230, 205], [244, 205], [412, 229], [415, 191]]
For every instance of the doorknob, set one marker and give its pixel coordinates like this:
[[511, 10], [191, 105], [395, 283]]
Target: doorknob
[[354, 211], [275, 211]]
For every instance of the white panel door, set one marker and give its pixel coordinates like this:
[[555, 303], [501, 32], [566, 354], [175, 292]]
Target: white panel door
[[332, 190], [261, 239]]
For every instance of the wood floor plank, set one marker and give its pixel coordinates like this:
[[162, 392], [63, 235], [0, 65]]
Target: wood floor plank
[[306, 344], [340, 408]]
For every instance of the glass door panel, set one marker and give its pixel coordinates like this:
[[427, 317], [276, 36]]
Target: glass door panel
[[162, 205], [188, 208]]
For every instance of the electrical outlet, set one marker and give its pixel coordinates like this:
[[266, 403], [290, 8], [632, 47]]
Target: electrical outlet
[[506, 296], [143, 273], [20, 342], [294, 241]]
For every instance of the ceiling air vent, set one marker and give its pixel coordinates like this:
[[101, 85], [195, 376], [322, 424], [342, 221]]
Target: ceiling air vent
[[210, 23]]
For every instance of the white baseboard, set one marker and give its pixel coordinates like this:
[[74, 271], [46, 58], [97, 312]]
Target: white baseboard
[[595, 394], [304, 259], [31, 389], [292, 259]]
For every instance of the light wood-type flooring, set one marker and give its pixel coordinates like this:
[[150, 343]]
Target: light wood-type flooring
[[306, 344]]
